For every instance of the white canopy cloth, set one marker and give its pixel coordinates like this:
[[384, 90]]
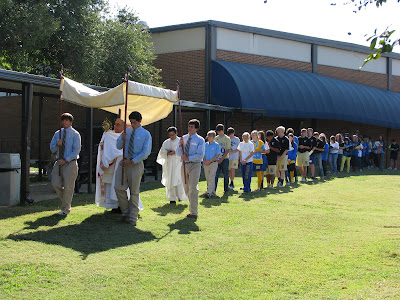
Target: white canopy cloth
[[152, 102]]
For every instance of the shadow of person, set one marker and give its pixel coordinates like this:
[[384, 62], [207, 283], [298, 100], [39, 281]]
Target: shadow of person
[[170, 209], [95, 234], [184, 226], [48, 221], [215, 201]]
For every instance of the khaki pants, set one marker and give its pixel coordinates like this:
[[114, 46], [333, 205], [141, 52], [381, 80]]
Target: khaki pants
[[132, 176], [209, 172], [191, 186], [64, 185]]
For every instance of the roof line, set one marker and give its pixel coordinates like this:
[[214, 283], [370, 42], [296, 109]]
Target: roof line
[[274, 33], [37, 79]]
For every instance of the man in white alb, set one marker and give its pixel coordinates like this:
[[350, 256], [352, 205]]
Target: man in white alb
[[171, 168], [108, 157]]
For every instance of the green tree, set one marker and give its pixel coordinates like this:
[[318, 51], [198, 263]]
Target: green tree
[[379, 42], [92, 45]]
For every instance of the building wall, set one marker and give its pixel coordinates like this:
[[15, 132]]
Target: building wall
[[256, 44], [189, 68], [10, 124], [260, 60], [396, 84], [366, 78], [178, 40]]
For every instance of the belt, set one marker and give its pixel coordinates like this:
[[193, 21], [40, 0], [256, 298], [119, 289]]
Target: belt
[[192, 162]]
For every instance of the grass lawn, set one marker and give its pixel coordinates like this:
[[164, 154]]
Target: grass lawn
[[337, 239]]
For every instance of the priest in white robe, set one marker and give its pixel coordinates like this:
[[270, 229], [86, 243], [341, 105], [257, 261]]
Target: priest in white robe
[[107, 159], [171, 168]]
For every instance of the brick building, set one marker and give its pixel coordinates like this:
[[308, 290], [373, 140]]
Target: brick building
[[192, 52]]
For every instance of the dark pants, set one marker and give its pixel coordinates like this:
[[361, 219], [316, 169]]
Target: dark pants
[[339, 161], [354, 162], [247, 171], [224, 166], [381, 157]]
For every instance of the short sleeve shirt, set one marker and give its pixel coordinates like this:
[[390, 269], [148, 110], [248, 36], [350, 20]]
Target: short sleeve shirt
[[234, 144], [246, 149], [224, 144], [284, 144], [272, 155], [304, 141], [257, 157]]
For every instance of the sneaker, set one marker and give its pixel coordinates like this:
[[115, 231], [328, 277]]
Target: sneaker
[[207, 196], [62, 213], [172, 202], [395, 168], [389, 168], [360, 170], [287, 184], [280, 184]]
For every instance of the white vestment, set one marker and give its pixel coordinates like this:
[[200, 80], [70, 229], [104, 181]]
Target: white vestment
[[171, 171], [110, 156]]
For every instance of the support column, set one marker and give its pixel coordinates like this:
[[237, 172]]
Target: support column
[[314, 58], [26, 133], [389, 71], [90, 148], [40, 138]]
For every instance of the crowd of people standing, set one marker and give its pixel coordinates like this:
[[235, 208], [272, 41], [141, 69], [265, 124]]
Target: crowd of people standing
[[272, 155]]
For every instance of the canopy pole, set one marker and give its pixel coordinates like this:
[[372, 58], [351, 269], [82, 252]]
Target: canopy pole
[[126, 111], [180, 125], [60, 102]]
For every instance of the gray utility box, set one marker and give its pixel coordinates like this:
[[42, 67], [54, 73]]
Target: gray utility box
[[10, 179]]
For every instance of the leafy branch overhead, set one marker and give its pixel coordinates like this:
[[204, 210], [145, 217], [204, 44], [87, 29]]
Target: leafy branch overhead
[[380, 43]]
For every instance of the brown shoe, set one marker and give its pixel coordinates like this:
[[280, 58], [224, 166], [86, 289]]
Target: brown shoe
[[191, 216]]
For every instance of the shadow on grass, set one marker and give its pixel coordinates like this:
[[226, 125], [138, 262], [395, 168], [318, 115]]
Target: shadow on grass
[[97, 233], [216, 201], [170, 209], [184, 226], [49, 221]]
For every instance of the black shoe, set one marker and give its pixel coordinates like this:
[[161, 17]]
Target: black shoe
[[116, 210], [172, 202]]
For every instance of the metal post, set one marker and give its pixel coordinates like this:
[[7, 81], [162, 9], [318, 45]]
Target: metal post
[[40, 138], [90, 173], [26, 132]]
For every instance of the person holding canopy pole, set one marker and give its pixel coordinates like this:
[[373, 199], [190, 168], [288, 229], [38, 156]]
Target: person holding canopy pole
[[137, 144]]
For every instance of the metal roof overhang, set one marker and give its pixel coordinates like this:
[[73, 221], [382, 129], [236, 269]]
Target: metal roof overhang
[[297, 94]]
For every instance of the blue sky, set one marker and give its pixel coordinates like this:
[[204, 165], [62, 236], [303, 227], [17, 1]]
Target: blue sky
[[316, 18]]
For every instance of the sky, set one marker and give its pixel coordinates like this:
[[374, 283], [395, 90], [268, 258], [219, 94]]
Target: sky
[[316, 18]]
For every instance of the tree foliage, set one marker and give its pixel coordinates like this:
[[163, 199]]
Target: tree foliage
[[92, 45], [379, 42]]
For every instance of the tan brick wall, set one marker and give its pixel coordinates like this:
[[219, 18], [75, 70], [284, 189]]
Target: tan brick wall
[[396, 84], [10, 124], [361, 77], [266, 61], [189, 68]]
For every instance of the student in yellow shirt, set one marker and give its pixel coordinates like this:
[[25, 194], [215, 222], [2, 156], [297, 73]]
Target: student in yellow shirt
[[258, 139]]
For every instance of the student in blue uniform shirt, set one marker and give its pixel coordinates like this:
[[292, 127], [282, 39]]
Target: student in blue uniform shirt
[[292, 155], [210, 162]]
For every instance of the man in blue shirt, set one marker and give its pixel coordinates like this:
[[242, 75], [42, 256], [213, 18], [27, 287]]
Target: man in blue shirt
[[137, 149], [65, 169], [192, 155]]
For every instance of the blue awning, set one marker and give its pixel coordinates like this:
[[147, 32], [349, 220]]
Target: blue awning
[[297, 94]]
